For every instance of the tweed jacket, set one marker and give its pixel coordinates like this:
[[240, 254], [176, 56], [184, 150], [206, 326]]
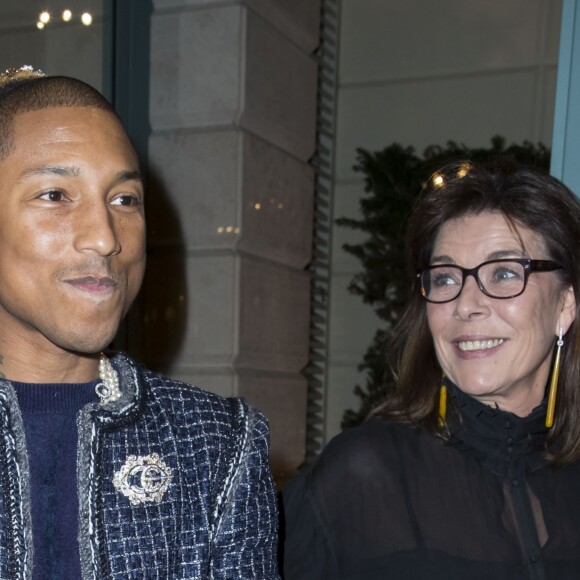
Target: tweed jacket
[[173, 483]]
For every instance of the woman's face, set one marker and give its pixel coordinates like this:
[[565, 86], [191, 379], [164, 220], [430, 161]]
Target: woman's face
[[498, 351]]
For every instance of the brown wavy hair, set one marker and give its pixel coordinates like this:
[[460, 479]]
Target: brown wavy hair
[[526, 197]]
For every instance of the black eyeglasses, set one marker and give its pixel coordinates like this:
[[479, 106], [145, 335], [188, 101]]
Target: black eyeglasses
[[502, 279]]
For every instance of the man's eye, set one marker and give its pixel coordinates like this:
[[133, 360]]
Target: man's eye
[[126, 200], [53, 195]]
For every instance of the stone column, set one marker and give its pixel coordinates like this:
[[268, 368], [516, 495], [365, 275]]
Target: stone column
[[233, 118]]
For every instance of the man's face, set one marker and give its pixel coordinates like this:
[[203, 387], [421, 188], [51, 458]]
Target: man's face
[[72, 230]]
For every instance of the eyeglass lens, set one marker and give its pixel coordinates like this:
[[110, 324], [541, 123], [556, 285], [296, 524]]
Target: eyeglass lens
[[499, 280]]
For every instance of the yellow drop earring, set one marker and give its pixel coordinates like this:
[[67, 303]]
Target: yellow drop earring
[[442, 403], [554, 382]]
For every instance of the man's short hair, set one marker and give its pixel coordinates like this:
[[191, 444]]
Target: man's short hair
[[34, 94]]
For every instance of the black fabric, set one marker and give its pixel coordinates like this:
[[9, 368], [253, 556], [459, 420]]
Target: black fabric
[[49, 415], [388, 501]]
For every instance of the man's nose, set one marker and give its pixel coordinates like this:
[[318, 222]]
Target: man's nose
[[95, 230]]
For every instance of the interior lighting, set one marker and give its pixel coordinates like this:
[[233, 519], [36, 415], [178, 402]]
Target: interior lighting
[[258, 206], [66, 15], [40, 25], [86, 19], [44, 17]]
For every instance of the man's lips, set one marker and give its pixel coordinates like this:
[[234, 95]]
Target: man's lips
[[93, 283]]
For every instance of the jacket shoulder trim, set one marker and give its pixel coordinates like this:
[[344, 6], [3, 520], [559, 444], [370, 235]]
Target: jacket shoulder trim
[[14, 485], [241, 440]]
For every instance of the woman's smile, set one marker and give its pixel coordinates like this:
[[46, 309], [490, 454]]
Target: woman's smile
[[497, 350], [479, 344]]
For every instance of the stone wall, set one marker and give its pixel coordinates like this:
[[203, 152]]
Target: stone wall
[[233, 117]]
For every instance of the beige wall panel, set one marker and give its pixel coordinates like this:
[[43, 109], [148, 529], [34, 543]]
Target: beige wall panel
[[196, 68], [197, 321], [405, 38], [50, 50], [283, 400], [469, 110], [228, 189], [84, 43], [190, 304], [218, 380], [18, 48], [347, 196], [340, 399], [353, 323], [298, 20], [277, 205], [197, 189], [274, 304], [280, 90]]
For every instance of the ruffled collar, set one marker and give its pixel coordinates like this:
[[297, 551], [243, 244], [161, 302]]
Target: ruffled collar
[[502, 441]]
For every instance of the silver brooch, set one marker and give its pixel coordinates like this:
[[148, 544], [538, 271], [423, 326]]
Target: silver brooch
[[143, 479]]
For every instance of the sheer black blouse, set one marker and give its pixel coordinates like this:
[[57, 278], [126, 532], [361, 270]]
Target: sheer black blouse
[[389, 501]]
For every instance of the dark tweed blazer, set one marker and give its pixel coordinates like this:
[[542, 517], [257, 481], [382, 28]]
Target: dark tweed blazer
[[173, 483]]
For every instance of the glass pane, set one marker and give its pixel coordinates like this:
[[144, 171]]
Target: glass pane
[[68, 48]]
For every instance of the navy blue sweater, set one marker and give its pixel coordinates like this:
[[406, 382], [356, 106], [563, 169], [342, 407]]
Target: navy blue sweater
[[49, 413]]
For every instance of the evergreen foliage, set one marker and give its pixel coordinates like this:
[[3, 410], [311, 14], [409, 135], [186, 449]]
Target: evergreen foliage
[[393, 179]]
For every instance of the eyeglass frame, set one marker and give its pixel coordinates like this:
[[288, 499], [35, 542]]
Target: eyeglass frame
[[529, 265]]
